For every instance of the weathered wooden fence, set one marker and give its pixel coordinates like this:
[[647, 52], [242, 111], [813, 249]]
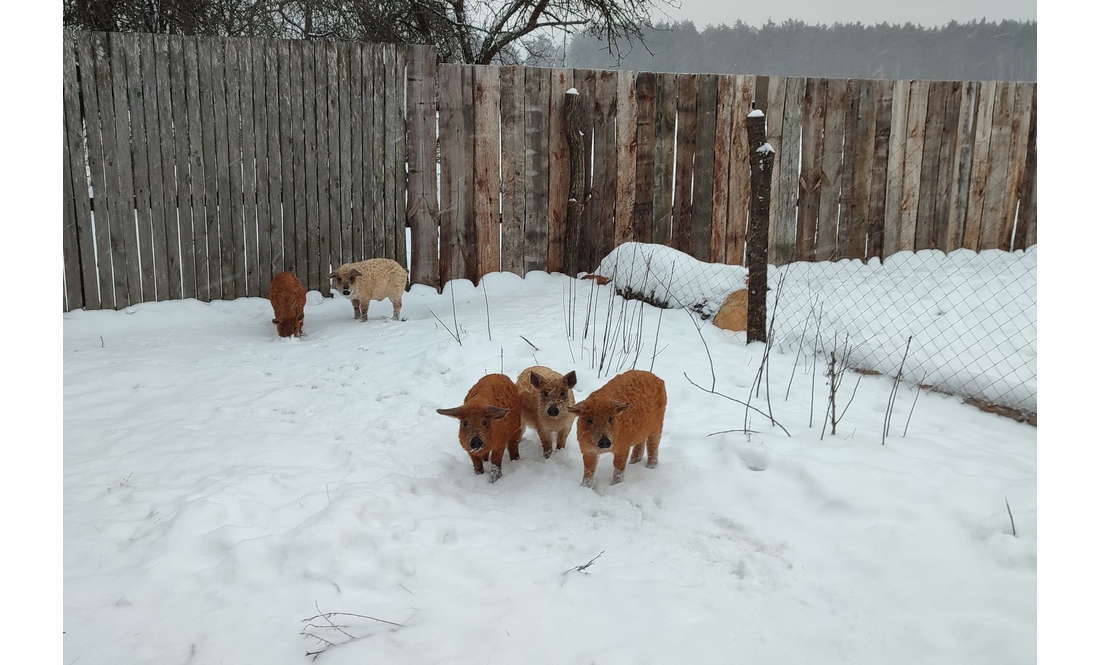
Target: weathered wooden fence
[[863, 168], [210, 164]]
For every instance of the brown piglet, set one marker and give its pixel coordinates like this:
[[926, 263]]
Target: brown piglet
[[546, 397], [489, 422], [622, 416], [288, 300]]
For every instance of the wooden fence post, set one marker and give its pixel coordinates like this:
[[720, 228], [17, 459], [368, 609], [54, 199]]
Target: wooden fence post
[[575, 139], [761, 160]]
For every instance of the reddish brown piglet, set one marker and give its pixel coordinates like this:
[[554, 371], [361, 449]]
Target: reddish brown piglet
[[489, 423], [627, 413], [288, 299]]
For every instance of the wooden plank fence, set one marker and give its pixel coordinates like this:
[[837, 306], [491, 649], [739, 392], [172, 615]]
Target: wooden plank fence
[[199, 167]]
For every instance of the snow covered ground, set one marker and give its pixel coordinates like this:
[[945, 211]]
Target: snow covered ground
[[221, 485]]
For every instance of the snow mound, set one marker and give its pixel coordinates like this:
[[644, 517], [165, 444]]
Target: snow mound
[[668, 277]]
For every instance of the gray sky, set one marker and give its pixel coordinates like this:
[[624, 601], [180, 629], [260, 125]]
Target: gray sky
[[924, 12]]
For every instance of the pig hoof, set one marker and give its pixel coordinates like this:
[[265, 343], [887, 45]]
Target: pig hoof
[[651, 464], [547, 453], [494, 474]]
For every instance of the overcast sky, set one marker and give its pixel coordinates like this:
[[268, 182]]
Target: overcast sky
[[924, 12]]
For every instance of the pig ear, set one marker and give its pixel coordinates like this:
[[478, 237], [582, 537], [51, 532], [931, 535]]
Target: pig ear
[[577, 409], [356, 273], [496, 412], [619, 407], [454, 413], [301, 317], [332, 275], [571, 379], [536, 380]]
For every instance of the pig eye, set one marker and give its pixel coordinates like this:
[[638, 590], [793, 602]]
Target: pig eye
[[465, 423], [588, 420], [610, 420], [546, 393], [484, 423]]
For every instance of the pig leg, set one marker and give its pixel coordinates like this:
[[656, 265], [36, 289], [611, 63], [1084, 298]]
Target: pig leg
[[495, 458], [479, 467], [396, 302], [513, 445], [366, 306], [590, 459], [547, 443], [619, 462], [651, 444], [636, 452], [355, 304], [562, 436]]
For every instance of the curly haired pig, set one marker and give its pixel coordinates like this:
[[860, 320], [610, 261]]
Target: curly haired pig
[[490, 422], [627, 412], [288, 300], [546, 397], [373, 279]]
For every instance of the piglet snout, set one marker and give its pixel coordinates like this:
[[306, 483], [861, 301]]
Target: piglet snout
[[553, 411], [604, 442], [476, 443]]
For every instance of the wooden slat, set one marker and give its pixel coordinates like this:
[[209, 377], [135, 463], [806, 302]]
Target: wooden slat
[[72, 179], [83, 288], [91, 56], [512, 168], [390, 139], [170, 172], [626, 152], [378, 162], [354, 251], [560, 81], [664, 156], [372, 194], [786, 236], [600, 211], [124, 250], [895, 171], [687, 121], [883, 106], [1017, 156], [761, 90], [702, 215], [221, 234], [945, 182], [157, 259], [832, 162], [347, 184], [980, 165], [196, 253], [315, 159], [536, 114], [139, 146], [232, 224], [777, 95], [248, 227], [848, 169], [584, 80], [646, 96], [720, 197], [1025, 224], [423, 209], [961, 161], [914, 158], [810, 176], [400, 154], [328, 177], [272, 80], [996, 229], [861, 174], [290, 148], [486, 165], [740, 185], [934, 123], [265, 105], [457, 254]]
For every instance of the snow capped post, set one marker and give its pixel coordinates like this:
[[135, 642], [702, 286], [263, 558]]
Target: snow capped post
[[761, 159], [575, 137]]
